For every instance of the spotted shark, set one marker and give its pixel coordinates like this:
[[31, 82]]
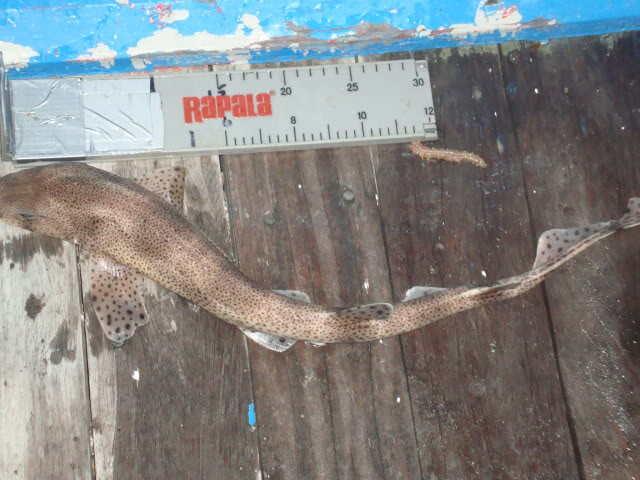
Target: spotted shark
[[136, 228]]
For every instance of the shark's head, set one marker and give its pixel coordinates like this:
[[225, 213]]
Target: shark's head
[[20, 195], [47, 199]]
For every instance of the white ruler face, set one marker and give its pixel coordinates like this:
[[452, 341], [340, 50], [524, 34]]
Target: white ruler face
[[252, 110]]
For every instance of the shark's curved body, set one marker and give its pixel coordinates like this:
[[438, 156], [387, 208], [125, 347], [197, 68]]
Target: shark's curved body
[[137, 228]]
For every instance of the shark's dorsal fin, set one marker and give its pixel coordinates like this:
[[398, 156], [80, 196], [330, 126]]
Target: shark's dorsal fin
[[116, 294], [167, 183], [554, 243]]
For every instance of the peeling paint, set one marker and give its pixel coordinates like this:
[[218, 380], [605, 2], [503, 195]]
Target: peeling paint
[[113, 36], [100, 53], [16, 56], [170, 40]]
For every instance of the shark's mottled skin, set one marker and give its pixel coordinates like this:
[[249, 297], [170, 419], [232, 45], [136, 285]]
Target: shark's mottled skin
[[119, 219]]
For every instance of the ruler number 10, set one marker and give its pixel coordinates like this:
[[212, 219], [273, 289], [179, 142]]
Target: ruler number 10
[[362, 115]]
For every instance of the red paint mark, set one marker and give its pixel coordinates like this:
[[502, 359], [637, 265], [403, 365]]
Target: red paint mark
[[506, 13]]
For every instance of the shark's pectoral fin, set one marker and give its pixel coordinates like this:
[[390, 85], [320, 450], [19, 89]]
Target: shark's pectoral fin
[[116, 294], [418, 292], [370, 311], [167, 183]]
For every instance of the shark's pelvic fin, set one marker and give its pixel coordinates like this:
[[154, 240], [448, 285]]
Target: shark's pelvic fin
[[273, 342], [418, 292]]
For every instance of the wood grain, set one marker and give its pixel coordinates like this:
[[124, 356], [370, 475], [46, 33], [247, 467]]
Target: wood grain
[[186, 417], [484, 386], [575, 110], [44, 419], [340, 411]]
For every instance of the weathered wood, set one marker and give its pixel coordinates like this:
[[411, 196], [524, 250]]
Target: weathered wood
[[44, 414], [308, 221], [186, 416], [484, 385], [575, 107]]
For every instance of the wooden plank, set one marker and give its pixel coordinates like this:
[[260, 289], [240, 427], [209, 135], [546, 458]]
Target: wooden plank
[[575, 109], [309, 221], [44, 419], [186, 416], [484, 386]]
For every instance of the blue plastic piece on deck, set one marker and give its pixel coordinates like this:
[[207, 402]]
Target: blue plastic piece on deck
[[251, 415]]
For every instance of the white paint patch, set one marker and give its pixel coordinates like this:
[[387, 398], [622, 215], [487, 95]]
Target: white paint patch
[[422, 31], [136, 376], [365, 285], [238, 58], [138, 63], [504, 20], [16, 56], [398, 399], [123, 2], [169, 40], [174, 16], [174, 327], [100, 53]]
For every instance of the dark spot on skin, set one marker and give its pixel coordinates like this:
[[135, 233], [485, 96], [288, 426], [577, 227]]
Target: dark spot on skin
[[142, 316], [11, 265], [34, 306]]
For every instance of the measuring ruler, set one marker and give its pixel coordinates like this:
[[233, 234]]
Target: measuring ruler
[[219, 112]]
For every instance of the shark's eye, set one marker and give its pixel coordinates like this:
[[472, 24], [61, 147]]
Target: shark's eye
[[26, 216]]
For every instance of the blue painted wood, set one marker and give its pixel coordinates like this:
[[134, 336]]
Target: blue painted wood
[[68, 37]]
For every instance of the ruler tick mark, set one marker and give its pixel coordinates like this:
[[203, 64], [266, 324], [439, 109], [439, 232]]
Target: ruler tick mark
[[397, 131], [193, 138], [260, 131], [284, 77], [363, 69], [235, 141], [310, 73], [295, 135], [297, 75], [304, 139], [329, 130], [323, 72], [286, 137], [226, 138], [243, 76], [320, 135], [402, 65], [350, 75], [376, 67]]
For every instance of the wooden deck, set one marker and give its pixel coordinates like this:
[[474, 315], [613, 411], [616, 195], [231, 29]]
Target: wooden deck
[[545, 386]]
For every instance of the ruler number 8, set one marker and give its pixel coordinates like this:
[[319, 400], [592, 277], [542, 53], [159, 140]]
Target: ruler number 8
[[293, 120]]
